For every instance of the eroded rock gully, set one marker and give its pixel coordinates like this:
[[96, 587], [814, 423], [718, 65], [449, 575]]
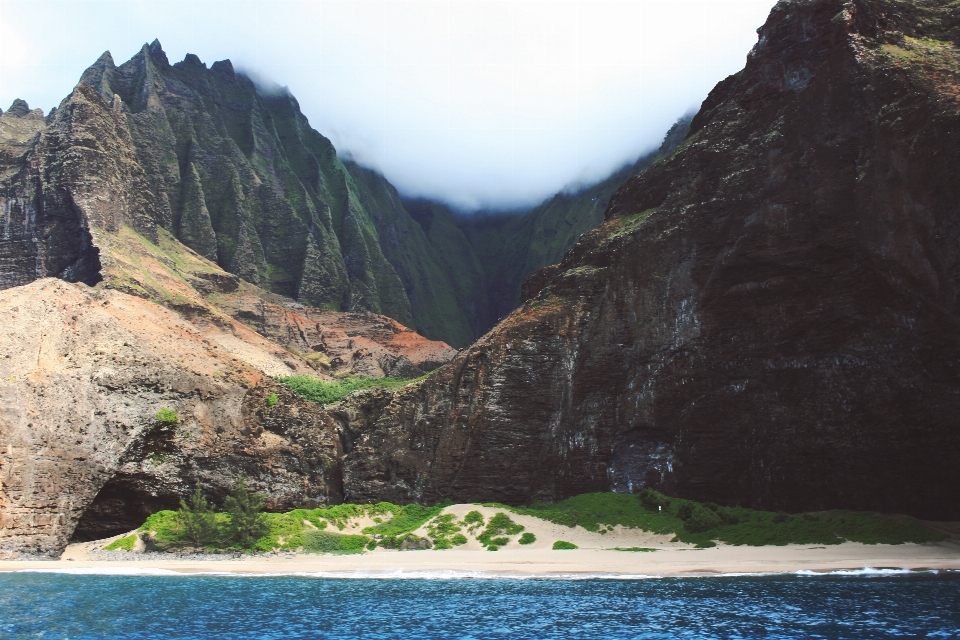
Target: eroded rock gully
[[767, 318]]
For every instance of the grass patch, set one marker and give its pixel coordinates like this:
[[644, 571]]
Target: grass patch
[[331, 542], [563, 544], [702, 523], [405, 519], [405, 542], [445, 532], [527, 538], [899, 52], [122, 544], [497, 529], [328, 392]]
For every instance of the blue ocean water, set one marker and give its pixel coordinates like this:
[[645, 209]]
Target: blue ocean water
[[49, 605]]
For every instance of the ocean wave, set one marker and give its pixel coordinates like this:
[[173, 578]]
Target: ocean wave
[[451, 574], [106, 571], [866, 571]]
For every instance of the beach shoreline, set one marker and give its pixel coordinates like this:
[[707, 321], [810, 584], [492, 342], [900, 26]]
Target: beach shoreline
[[531, 563]]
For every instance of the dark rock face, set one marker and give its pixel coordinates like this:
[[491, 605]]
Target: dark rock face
[[62, 183], [768, 317]]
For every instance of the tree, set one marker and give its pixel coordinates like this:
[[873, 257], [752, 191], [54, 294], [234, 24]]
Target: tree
[[247, 520], [198, 519]]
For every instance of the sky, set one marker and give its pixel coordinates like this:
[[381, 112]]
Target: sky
[[482, 104]]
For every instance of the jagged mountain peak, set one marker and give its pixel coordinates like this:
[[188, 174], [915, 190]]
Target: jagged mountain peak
[[19, 108], [156, 52]]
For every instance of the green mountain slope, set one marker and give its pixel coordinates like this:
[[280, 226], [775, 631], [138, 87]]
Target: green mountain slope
[[245, 181], [511, 247], [239, 175]]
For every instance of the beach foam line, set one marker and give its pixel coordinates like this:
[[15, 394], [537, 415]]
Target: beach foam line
[[452, 574], [107, 571], [865, 571]]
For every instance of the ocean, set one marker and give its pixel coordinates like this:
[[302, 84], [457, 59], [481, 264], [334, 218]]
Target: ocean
[[848, 604]]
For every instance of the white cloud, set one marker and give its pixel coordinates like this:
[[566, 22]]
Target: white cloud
[[478, 102]]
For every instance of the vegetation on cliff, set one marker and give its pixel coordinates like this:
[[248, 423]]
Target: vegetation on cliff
[[330, 391]]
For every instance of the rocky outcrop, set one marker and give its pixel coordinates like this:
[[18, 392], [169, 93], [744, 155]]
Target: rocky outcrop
[[83, 374], [768, 317], [355, 343], [64, 182]]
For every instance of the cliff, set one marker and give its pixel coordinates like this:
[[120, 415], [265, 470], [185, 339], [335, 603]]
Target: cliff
[[768, 317], [84, 374]]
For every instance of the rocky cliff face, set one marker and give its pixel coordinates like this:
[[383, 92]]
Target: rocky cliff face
[[767, 317], [83, 371], [82, 455]]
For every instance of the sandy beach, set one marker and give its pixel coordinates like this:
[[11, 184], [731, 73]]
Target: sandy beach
[[597, 555], [519, 562]]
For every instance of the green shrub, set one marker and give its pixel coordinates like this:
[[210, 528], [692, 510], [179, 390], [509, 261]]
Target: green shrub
[[728, 517], [594, 512], [271, 399], [702, 519], [653, 500], [499, 525], [527, 538], [327, 392], [405, 519], [492, 547], [122, 544], [247, 522], [406, 542], [372, 545], [198, 520], [563, 544], [330, 542], [685, 511], [474, 518], [443, 526], [167, 416]]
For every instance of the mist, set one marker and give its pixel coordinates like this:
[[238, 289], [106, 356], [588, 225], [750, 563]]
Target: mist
[[479, 104]]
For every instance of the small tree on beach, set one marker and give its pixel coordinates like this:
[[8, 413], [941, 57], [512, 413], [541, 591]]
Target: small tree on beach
[[247, 521], [198, 520]]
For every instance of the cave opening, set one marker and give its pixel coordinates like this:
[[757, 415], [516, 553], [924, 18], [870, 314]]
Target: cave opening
[[121, 506]]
